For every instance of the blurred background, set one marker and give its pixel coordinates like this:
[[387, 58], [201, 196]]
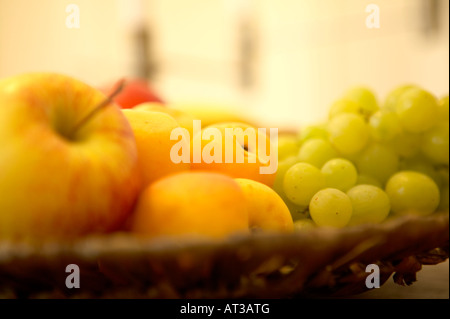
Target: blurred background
[[283, 62]]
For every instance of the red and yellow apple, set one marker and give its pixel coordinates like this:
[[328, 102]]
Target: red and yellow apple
[[205, 204], [135, 91], [59, 179]]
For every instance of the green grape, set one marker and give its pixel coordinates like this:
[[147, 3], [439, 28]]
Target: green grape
[[443, 108], [352, 157], [421, 164], [304, 224], [301, 182], [368, 180], [417, 110], [443, 205], [366, 99], [288, 145], [297, 211], [340, 174], [317, 151], [330, 207], [378, 161], [370, 204], [349, 133], [343, 106], [384, 125], [283, 166], [393, 96], [313, 131], [435, 143], [406, 144], [412, 193]]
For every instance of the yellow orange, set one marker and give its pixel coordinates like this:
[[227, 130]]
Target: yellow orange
[[184, 119], [152, 132], [266, 209], [222, 146], [203, 204]]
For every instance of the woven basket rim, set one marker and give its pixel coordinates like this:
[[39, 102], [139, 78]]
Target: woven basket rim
[[244, 265]]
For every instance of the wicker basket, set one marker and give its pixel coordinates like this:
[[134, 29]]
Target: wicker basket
[[318, 262]]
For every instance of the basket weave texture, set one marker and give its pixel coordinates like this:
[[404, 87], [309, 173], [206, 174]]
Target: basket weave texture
[[319, 262]]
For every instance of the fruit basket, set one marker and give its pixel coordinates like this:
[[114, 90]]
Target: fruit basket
[[140, 189], [320, 262]]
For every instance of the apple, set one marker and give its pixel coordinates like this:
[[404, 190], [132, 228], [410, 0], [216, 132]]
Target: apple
[[65, 170], [136, 91], [206, 204]]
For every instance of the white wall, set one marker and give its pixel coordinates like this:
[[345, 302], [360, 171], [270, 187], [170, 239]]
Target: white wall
[[307, 51], [321, 47], [34, 37]]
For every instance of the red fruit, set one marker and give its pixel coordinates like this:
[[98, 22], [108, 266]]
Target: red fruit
[[135, 91]]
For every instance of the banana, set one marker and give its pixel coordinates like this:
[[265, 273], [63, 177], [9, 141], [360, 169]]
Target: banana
[[210, 114]]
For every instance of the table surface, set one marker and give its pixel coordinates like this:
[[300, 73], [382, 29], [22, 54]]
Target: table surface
[[432, 283]]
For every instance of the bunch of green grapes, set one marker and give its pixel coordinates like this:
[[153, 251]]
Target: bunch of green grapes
[[368, 160]]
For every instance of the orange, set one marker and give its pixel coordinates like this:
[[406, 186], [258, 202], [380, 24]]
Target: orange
[[266, 209], [184, 119], [216, 148], [152, 132], [202, 204]]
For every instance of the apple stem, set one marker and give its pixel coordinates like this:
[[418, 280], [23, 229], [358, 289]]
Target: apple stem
[[99, 107]]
